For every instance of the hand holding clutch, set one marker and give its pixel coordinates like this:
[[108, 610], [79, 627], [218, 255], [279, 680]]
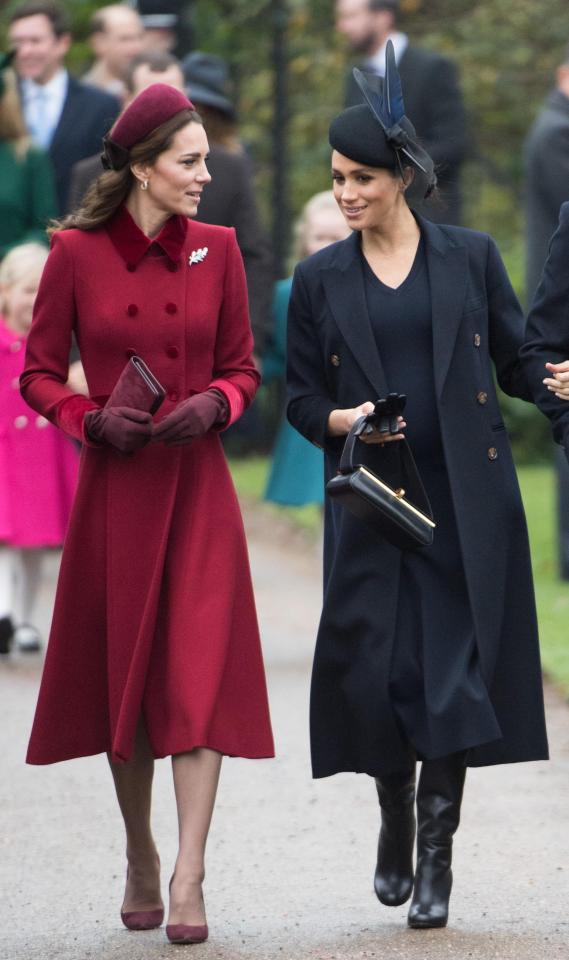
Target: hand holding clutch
[[192, 418], [125, 428]]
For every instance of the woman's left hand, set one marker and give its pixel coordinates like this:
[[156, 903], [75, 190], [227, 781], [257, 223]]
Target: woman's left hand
[[192, 418], [558, 382]]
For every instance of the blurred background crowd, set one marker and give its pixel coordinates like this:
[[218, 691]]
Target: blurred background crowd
[[487, 87]]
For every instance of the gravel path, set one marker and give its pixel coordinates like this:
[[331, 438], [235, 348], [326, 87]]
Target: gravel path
[[290, 860]]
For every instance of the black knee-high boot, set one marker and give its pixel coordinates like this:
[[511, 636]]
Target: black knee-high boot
[[393, 881], [439, 797]]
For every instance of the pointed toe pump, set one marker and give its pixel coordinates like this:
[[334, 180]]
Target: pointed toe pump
[[393, 880], [142, 919], [182, 933]]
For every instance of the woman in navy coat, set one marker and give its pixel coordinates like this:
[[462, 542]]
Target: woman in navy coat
[[427, 655]]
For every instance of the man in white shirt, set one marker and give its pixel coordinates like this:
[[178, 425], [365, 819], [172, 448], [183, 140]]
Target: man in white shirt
[[433, 101], [65, 117], [116, 37]]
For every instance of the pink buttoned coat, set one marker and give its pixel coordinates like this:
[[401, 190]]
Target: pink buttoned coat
[[154, 613], [38, 465]]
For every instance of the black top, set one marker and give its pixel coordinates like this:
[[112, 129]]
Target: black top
[[401, 320]]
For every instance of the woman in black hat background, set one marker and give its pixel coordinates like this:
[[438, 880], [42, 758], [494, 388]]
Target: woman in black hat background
[[429, 655]]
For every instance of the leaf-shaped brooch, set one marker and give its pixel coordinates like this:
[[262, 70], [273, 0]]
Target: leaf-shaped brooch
[[196, 256]]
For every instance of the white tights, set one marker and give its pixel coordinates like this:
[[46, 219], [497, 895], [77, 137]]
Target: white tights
[[20, 578]]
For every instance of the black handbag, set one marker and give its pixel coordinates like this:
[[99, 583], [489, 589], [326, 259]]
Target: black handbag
[[395, 504]]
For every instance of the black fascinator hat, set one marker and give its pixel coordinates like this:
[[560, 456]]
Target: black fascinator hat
[[378, 134]]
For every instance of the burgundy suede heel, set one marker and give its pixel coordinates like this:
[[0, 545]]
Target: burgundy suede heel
[[142, 919], [182, 933]]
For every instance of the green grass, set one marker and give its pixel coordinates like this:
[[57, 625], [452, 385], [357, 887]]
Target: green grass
[[552, 594], [250, 477], [538, 491]]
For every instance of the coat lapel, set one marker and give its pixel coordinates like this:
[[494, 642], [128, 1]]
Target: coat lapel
[[448, 275], [344, 287]]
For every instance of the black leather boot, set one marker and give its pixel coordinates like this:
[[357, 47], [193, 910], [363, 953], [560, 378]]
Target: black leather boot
[[393, 880], [438, 807], [6, 634]]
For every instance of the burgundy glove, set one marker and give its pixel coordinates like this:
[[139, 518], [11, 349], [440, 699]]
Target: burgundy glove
[[192, 418], [125, 428]]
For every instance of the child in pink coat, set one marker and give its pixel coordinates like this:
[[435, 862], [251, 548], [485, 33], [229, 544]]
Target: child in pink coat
[[38, 464]]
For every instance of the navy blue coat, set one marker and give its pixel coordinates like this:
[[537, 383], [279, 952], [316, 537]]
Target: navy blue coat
[[333, 362], [547, 329]]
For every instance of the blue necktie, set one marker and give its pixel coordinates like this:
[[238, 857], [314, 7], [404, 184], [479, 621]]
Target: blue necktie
[[40, 126]]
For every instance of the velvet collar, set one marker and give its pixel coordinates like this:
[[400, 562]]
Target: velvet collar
[[132, 244]]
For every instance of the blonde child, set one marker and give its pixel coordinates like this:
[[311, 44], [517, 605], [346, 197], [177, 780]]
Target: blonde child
[[38, 464]]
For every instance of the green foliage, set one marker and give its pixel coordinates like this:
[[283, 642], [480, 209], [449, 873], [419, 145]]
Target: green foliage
[[506, 50]]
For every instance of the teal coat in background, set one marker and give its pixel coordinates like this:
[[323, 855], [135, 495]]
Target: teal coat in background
[[27, 197], [297, 470]]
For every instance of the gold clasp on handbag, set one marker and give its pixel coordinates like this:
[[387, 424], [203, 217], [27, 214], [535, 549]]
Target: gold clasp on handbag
[[400, 493]]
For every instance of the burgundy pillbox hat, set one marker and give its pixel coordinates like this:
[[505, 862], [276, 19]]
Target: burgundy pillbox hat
[[149, 110]]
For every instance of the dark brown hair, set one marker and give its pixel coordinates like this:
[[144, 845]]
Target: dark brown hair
[[111, 189], [55, 13]]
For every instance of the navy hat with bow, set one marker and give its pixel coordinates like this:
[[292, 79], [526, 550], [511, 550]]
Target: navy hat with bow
[[378, 134]]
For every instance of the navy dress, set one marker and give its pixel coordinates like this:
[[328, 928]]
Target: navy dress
[[435, 681]]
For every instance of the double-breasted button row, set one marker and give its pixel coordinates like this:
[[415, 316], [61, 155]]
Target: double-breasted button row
[[132, 311], [482, 397], [492, 453]]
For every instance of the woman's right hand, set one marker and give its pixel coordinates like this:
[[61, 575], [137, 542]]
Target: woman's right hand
[[340, 422], [125, 428]]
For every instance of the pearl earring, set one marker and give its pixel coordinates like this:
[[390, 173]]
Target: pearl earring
[[144, 185]]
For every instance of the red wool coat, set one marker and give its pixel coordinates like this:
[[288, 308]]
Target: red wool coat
[[154, 609]]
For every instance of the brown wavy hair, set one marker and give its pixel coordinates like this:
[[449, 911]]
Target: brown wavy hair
[[111, 189], [12, 126]]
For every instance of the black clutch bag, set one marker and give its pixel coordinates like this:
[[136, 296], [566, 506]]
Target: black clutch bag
[[395, 504]]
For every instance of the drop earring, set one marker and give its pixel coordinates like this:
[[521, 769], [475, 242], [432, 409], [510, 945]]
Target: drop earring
[[144, 185]]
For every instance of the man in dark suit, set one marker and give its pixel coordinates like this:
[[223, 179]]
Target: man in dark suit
[[64, 116], [433, 100]]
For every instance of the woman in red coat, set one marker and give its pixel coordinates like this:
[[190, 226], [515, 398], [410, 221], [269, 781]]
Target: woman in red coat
[[154, 649]]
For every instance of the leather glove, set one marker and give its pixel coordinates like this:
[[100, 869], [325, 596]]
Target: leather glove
[[192, 418], [125, 428]]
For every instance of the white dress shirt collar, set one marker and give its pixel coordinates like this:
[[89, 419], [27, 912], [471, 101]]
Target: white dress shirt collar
[[400, 43]]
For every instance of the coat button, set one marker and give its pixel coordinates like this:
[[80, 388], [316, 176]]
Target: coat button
[[16, 383], [173, 395], [172, 352], [132, 310], [335, 360], [482, 397], [15, 346], [492, 453], [172, 267], [21, 422], [171, 308], [41, 423], [131, 267], [477, 339], [131, 352]]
